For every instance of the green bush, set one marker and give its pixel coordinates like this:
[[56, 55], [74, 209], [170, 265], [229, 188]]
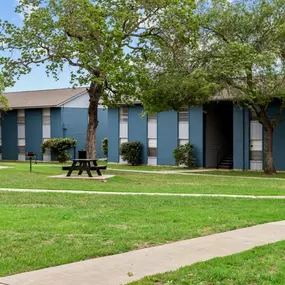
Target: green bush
[[131, 152], [59, 147], [104, 146], [184, 155]]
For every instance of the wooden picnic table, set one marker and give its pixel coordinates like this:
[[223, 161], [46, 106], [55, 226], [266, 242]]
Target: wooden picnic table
[[84, 165]]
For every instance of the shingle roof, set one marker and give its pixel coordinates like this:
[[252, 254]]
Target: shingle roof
[[41, 98]]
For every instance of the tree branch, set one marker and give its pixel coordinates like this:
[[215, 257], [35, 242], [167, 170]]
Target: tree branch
[[216, 33], [137, 26], [276, 122]]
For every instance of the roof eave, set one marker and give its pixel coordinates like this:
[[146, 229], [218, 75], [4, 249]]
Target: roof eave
[[70, 99]]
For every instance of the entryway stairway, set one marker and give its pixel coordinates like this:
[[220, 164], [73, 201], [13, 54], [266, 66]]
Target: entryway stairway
[[227, 162]]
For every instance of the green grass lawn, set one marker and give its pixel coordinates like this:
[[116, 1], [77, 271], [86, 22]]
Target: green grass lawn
[[258, 174], [46, 229], [19, 177], [261, 265], [146, 167]]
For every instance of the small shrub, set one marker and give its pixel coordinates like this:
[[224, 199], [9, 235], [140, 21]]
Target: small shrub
[[104, 146], [184, 155], [131, 152], [59, 146]]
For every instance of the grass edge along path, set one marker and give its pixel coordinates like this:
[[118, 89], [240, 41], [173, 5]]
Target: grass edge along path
[[260, 265]]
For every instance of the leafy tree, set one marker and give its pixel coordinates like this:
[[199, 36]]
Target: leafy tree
[[240, 51], [3, 99], [101, 39]]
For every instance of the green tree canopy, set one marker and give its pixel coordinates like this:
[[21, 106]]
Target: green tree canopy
[[103, 40], [239, 54], [3, 99]]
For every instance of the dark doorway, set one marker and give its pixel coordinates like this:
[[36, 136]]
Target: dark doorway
[[218, 135]]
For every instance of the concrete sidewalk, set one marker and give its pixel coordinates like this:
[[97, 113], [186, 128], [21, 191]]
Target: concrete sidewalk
[[139, 193], [130, 266]]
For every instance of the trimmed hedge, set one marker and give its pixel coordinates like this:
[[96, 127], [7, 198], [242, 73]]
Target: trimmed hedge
[[59, 146], [131, 152], [184, 155]]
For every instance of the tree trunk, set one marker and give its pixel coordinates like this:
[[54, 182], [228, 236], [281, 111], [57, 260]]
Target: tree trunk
[[95, 93], [268, 150]]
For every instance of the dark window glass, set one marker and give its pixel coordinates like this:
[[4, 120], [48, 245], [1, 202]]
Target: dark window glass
[[152, 151], [256, 155], [21, 149], [124, 114], [183, 115], [152, 118]]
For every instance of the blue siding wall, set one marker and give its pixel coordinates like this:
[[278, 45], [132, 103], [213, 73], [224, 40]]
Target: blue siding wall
[[102, 130], [55, 122], [10, 136], [34, 131], [138, 129], [74, 123], [196, 133], [241, 138], [167, 137], [278, 139], [113, 134]]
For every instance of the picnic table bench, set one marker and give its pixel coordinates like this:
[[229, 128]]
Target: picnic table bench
[[84, 165]]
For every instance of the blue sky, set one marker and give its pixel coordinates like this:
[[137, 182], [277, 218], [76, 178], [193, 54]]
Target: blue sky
[[37, 79]]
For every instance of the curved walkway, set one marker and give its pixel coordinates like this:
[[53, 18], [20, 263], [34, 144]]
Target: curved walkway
[[124, 268]]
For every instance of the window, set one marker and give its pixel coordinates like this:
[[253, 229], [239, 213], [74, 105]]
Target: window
[[183, 115], [46, 116], [152, 140], [21, 149], [152, 118], [152, 152], [256, 155], [183, 124], [152, 147], [124, 114], [256, 143], [124, 122], [21, 117]]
